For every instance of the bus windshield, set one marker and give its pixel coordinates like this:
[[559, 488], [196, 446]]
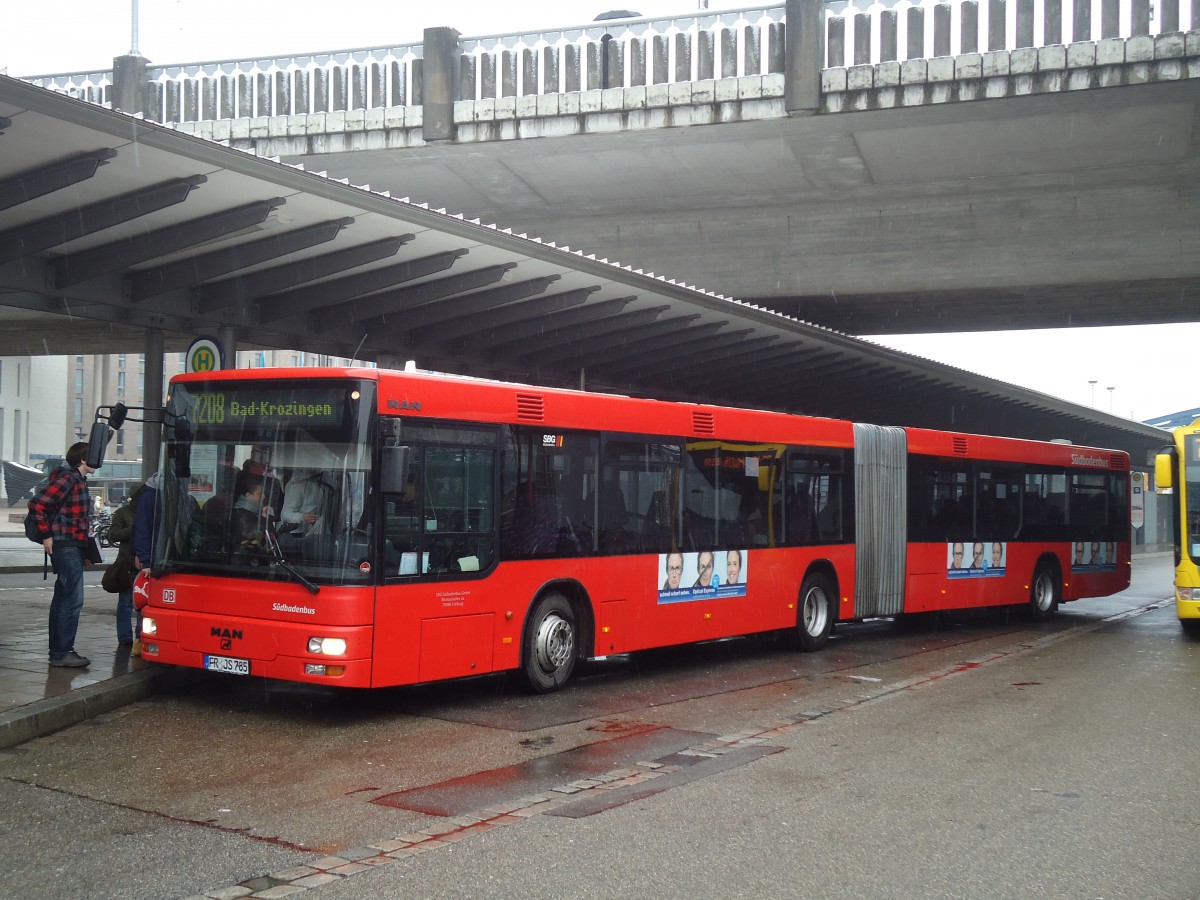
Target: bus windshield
[[1191, 494], [268, 480]]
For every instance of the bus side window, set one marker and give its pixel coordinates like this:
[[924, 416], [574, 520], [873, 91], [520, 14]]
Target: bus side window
[[815, 505], [547, 505], [636, 477], [444, 521]]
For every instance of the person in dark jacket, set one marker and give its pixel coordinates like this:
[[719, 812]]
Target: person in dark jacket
[[120, 532], [62, 510], [145, 533]]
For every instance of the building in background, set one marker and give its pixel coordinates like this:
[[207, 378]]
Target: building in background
[[48, 403], [33, 418]]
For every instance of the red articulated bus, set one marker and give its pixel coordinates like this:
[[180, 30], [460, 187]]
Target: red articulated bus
[[366, 528]]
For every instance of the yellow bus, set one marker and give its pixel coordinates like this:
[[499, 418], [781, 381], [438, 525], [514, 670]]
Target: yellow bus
[[1177, 469]]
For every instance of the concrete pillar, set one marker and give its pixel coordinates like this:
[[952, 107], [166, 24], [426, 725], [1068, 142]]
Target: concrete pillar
[[802, 74], [129, 84], [152, 394], [227, 336], [441, 53]]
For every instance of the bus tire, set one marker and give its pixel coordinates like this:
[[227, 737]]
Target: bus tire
[[1191, 627], [1043, 594], [814, 618], [550, 644]]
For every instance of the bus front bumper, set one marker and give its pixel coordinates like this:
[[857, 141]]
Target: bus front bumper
[[1185, 606], [278, 650]]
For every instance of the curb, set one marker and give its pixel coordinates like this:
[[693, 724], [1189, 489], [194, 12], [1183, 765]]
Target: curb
[[43, 717]]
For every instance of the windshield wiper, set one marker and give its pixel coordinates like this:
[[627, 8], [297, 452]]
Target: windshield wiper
[[272, 544]]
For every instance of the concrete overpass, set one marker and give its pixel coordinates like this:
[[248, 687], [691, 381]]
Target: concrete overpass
[[974, 180], [872, 171], [121, 235]]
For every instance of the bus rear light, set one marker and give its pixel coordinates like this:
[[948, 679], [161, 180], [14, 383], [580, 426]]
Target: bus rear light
[[327, 646], [329, 671], [149, 626]]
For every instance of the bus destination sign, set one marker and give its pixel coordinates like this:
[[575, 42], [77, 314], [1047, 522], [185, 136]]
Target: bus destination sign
[[222, 408]]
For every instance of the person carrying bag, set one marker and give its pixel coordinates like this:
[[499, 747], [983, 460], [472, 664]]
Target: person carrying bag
[[118, 577], [61, 512]]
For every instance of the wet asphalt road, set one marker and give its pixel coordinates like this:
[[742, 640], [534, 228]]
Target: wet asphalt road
[[986, 757]]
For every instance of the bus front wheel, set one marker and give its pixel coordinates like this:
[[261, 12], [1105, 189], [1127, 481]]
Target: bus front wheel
[[814, 619], [1043, 595], [1191, 627], [550, 645]]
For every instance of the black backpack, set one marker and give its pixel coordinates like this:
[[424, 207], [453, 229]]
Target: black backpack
[[31, 530]]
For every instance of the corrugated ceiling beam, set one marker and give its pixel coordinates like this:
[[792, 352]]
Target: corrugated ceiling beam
[[329, 294], [256, 285], [789, 367], [558, 338], [63, 228], [74, 268], [373, 311], [475, 303], [25, 186], [716, 376], [198, 269], [701, 338], [614, 357], [496, 333], [516, 317], [708, 358], [598, 349]]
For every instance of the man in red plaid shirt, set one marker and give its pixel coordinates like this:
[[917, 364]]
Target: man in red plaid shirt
[[62, 510]]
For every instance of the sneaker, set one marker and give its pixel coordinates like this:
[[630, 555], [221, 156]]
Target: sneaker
[[72, 661], [137, 648]]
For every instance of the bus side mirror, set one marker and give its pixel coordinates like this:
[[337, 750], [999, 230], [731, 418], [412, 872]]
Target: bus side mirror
[[98, 443], [1164, 471], [102, 433], [394, 469]]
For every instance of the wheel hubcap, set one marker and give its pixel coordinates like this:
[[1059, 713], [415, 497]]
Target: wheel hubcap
[[815, 611], [554, 643], [1044, 593]]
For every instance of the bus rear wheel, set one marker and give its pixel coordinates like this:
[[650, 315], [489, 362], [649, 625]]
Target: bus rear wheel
[[550, 646], [814, 619], [1043, 595]]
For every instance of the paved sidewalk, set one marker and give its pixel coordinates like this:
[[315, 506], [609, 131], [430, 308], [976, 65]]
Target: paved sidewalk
[[38, 698]]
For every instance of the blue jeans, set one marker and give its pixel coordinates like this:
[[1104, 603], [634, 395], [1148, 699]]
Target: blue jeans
[[125, 616], [67, 560]]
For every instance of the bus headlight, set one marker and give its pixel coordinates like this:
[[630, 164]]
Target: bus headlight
[[327, 646], [1188, 593], [149, 627]]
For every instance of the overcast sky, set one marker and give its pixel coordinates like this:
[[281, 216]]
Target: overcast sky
[[1152, 369]]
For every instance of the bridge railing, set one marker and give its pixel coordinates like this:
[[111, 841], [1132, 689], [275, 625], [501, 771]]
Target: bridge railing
[[94, 87], [281, 86], [625, 53], [858, 32]]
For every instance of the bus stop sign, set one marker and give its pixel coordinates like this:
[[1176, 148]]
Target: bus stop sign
[[204, 355]]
